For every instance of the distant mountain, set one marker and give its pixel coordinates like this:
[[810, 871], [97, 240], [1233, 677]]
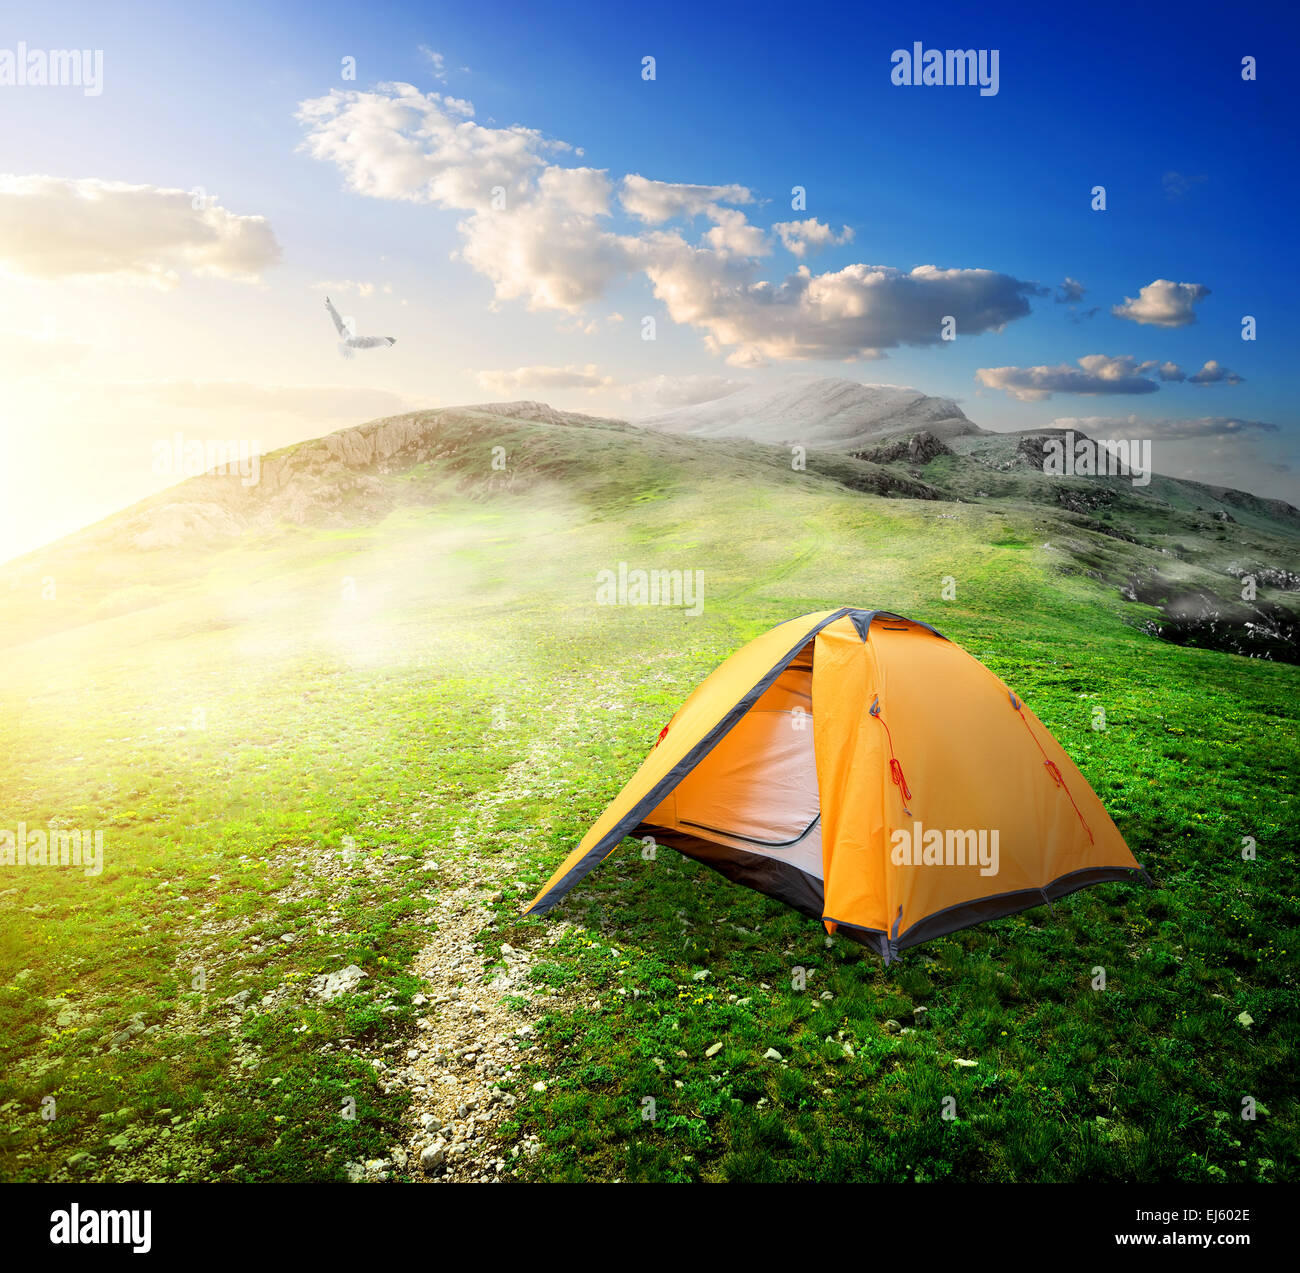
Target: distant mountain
[[874, 438], [336, 480], [1180, 549], [828, 413], [1022, 453]]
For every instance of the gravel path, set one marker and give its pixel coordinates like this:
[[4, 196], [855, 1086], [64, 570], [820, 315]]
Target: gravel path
[[470, 1043]]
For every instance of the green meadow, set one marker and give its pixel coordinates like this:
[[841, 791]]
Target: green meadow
[[293, 742]]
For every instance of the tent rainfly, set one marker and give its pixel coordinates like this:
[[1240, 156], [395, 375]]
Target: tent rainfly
[[872, 774]]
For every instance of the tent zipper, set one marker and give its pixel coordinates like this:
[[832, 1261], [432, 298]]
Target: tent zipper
[[895, 769], [1053, 769]]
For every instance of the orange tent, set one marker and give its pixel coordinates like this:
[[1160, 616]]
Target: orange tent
[[869, 772]]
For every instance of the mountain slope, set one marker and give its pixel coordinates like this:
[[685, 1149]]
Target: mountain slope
[[349, 478], [1023, 451], [1177, 546], [374, 731], [828, 413]]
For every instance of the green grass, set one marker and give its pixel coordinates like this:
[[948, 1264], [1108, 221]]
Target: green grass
[[267, 758]]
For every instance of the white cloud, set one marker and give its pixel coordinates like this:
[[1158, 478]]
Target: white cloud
[[543, 377], [582, 190], [399, 143], [1177, 184], [437, 63], [1095, 374], [1215, 373], [540, 242], [733, 235], [550, 244], [1070, 292], [68, 228], [856, 312], [1163, 304], [350, 285], [658, 392], [1098, 374], [805, 237], [549, 248], [1169, 428], [545, 253], [655, 202]]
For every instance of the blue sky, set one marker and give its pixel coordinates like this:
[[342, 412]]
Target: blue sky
[[159, 330]]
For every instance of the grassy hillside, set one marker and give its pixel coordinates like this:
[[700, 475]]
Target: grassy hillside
[[301, 743]]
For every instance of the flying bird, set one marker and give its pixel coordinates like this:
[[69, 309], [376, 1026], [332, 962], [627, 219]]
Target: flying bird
[[348, 341]]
